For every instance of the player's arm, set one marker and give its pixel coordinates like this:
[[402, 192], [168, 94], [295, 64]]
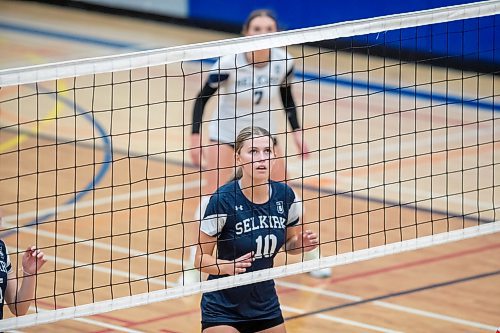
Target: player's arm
[[210, 227], [199, 107], [206, 262], [299, 240], [19, 300], [204, 95], [291, 114]]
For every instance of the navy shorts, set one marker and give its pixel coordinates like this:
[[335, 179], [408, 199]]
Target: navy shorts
[[249, 326]]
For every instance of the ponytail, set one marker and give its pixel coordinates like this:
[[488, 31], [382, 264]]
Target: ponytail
[[238, 173]]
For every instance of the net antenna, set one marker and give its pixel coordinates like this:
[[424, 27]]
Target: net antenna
[[387, 177]]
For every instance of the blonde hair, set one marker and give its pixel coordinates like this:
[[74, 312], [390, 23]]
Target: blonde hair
[[246, 134]]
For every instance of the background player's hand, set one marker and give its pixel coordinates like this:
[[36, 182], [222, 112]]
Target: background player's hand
[[309, 240], [239, 265], [33, 260], [301, 145], [195, 150]]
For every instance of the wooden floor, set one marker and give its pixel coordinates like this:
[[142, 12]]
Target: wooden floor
[[135, 213]]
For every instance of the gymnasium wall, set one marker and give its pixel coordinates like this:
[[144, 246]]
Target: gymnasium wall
[[228, 15], [294, 14]]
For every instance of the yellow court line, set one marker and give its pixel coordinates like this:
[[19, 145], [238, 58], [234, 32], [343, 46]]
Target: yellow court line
[[20, 138]]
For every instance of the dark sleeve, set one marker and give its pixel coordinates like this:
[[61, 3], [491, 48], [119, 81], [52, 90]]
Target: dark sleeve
[[199, 106], [289, 105]]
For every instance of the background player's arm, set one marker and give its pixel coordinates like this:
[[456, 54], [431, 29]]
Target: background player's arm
[[206, 262], [199, 108], [291, 114]]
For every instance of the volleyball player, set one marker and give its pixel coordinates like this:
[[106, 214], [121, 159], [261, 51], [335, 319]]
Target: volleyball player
[[249, 219], [248, 86], [18, 300]]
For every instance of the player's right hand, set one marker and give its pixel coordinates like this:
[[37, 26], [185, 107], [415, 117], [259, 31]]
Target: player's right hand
[[240, 265], [195, 150]]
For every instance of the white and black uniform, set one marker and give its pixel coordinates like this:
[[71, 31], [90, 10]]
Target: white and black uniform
[[5, 269], [247, 95]]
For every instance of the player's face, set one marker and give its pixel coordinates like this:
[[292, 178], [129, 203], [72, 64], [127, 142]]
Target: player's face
[[261, 25], [256, 157]]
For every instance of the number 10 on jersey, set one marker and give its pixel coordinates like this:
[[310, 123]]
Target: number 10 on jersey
[[266, 246]]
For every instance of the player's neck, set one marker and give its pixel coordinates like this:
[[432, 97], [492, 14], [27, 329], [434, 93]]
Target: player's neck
[[255, 191]]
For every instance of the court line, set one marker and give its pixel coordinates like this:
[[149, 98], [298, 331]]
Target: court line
[[407, 292], [355, 194], [115, 198], [408, 92], [133, 277], [415, 263], [300, 184], [22, 136], [160, 318], [39, 31], [404, 265], [337, 320], [91, 321], [7, 221], [284, 308], [106, 325], [107, 160]]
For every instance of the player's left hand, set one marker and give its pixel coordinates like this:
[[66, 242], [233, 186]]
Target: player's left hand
[[309, 240], [33, 260]]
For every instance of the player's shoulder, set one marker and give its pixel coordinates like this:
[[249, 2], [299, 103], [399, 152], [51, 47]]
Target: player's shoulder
[[280, 54], [227, 190], [226, 62], [283, 188], [4, 251]]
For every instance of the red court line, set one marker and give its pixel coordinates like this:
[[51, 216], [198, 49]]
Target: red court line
[[412, 264], [152, 320], [342, 279]]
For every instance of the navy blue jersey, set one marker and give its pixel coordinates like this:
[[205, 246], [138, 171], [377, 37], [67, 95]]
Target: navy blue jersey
[[242, 226], [5, 269]]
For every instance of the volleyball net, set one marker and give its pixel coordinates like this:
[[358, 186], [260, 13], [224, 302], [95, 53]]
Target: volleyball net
[[95, 167]]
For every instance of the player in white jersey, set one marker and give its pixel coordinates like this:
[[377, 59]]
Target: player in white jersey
[[18, 301], [249, 87], [246, 95]]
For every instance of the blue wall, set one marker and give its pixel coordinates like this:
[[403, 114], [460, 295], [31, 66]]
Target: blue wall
[[480, 44]]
